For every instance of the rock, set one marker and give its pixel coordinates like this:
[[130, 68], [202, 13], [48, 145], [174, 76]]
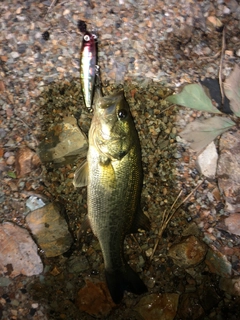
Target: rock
[[18, 252], [35, 202], [218, 263], [233, 223], [50, 230], [228, 170], [231, 286], [238, 52], [158, 306], [192, 228], [10, 161], [26, 161], [77, 264], [215, 21], [14, 54], [64, 140], [208, 296], [2, 86], [207, 161], [4, 281], [188, 252], [190, 306], [95, 299]]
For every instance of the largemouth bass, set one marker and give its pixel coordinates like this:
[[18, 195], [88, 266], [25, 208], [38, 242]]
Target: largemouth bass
[[113, 175]]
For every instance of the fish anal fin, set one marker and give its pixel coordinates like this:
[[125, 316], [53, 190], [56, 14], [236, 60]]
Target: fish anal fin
[[140, 222], [81, 175]]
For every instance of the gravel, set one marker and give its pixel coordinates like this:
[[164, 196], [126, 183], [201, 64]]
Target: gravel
[[148, 48]]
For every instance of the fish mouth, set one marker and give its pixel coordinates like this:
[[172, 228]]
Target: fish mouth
[[110, 102]]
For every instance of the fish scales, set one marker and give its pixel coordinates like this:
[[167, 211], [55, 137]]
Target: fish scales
[[111, 206]]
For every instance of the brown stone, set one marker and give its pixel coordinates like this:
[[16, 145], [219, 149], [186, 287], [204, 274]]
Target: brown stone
[[189, 252], [95, 299], [26, 161], [4, 58], [50, 230], [2, 86]]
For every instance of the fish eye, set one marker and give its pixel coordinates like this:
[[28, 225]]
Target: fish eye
[[86, 37], [122, 114]]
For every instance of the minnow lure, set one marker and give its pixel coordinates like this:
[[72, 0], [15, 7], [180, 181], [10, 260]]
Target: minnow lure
[[88, 60]]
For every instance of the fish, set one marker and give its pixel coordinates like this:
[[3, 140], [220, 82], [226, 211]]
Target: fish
[[113, 175], [88, 62]]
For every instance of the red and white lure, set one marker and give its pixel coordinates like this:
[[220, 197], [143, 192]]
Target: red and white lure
[[88, 62]]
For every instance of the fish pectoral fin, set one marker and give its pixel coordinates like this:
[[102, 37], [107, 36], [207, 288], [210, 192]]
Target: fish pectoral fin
[[83, 229], [140, 221], [81, 175], [108, 176]]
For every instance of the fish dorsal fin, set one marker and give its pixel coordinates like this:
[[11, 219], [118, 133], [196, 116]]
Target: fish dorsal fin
[[81, 175], [140, 221]]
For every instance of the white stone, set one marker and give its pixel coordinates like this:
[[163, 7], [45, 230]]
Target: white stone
[[207, 161], [14, 54], [238, 52], [226, 10]]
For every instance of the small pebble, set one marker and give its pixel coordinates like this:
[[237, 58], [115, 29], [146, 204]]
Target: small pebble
[[238, 52], [14, 54]]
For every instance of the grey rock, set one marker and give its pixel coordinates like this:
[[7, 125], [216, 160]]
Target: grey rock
[[50, 229], [64, 140], [218, 263], [207, 161], [4, 281], [77, 264]]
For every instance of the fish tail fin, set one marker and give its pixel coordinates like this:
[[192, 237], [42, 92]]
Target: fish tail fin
[[119, 281]]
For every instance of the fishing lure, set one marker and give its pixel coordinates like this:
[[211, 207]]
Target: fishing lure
[[88, 61]]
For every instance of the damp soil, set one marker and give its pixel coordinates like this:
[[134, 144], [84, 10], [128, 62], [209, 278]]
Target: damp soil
[[64, 276]]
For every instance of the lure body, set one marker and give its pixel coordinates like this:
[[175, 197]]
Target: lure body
[[88, 63]]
